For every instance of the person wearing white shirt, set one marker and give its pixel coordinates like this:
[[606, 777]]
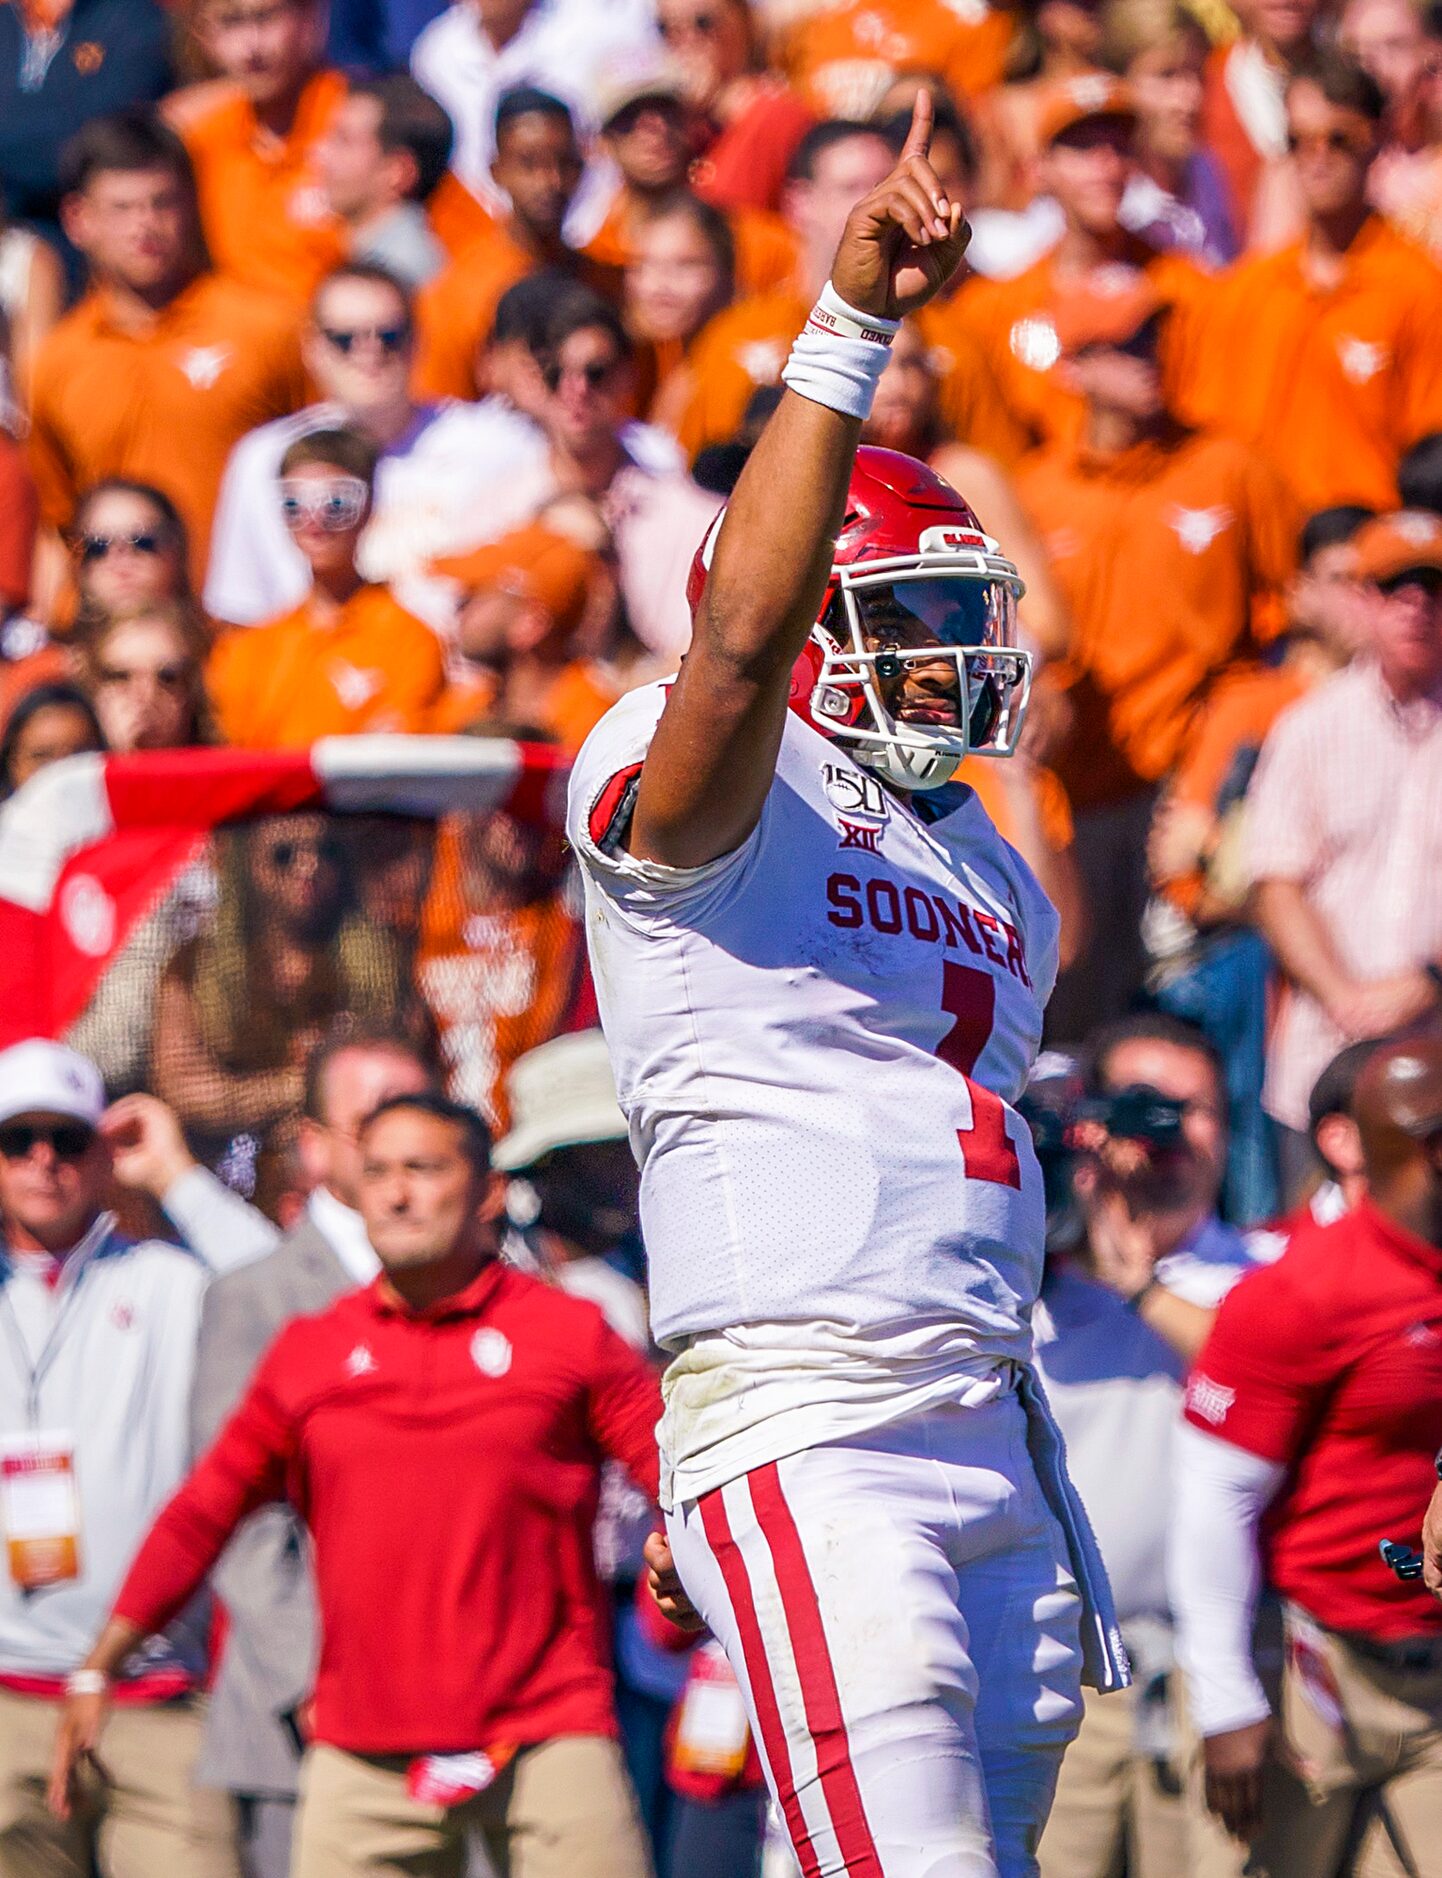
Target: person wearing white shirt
[[434, 461], [1118, 1319], [97, 1352]]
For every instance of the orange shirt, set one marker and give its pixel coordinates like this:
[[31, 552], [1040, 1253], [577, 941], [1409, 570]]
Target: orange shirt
[[1013, 321], [972, 404], [164, 403], [282, 685], [455, 311], [767, 253], [457, 218], [580, 695], [993, 778], [261, 205], [841, 59], [1333, 385], [1161, 554], [19, 514]]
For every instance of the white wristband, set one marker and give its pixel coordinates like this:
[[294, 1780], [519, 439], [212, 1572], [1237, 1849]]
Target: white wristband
[[87, 1682], [839, 356]]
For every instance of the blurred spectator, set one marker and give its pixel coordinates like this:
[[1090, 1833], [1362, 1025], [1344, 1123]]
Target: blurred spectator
[[1401, 46], [94, 1377], [1087, 130], [1244, 119], [288, 951], [163, 365], [1419, 475], [754, 121], [1214, 532], [128, 549], [61, 65], [252, 1740], [349, 657], [1208, 965], [1322, 355], [482, 1406], [1317, 1402], [1337, 1142], [145, 674], [656, 516], [1060, 39], [1344, 831], [52, 721], [522, 599], [32, 298], [1178, 196], [359, 347], [255, 138], [843, 59], [1108, 1350], [479, 49], [538, 164], [19, 518], [381, 160], [647, 128], [681, 274]]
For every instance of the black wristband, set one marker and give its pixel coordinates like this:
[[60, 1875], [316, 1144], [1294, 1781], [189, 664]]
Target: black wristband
[[1135, 1301]]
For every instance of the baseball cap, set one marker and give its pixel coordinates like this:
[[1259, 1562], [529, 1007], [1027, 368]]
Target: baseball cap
[[624, 84], [1395, 544], [533, 563], [1111, 309], [39, 1077], [1073, 101], [561, 1095]]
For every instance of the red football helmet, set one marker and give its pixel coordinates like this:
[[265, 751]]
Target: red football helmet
[[909, 546]]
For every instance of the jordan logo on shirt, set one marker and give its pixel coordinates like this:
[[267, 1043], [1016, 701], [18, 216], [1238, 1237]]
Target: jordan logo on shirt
[[202, 365], [1197, 529], [353, 686]]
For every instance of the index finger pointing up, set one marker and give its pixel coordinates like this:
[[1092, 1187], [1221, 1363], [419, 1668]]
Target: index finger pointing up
[[918, 138]]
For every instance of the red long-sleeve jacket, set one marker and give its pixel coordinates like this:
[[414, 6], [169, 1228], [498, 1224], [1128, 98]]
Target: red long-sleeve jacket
[[446, 1462]]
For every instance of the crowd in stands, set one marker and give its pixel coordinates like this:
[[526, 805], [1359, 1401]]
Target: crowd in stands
[[378, 366]]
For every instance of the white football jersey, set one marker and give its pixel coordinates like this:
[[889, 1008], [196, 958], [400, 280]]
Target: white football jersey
[[816, 1042]]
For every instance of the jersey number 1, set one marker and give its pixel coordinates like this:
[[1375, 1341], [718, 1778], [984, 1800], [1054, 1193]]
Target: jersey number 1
[[968, 995]]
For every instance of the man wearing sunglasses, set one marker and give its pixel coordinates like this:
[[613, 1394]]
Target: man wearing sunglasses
[[1209, 531], [97, 1348], [1324, 354], [359, 347]]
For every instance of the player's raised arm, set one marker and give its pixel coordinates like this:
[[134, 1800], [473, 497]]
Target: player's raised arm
[[713, 756]]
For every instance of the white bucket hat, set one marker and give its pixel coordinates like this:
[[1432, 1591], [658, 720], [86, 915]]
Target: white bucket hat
[[561, 1095]]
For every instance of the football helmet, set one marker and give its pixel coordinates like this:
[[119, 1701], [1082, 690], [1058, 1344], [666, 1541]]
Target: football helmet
[[910, 552]]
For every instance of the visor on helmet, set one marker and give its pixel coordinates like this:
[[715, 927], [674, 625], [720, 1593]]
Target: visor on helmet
[[950, 609]]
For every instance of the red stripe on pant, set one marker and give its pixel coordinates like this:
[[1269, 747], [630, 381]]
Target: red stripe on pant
[[819, 1693], [717, 1528]]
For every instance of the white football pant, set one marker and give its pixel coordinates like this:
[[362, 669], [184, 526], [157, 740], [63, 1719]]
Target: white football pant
[[902, 1619]]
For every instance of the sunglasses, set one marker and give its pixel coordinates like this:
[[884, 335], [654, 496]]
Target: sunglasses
[[595, 372], [287, 854], [70, 1141], [96, 547], [333, 506], [390, 339], [168, 677]]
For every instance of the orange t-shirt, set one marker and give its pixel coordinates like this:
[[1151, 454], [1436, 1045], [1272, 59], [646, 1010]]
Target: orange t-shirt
[[261, 204], [457, 217], [1013, 321], [746, 164], [841, 59], [991, 778], [767, 253], [455, 311], [163, 404], [1333, 385], [282, 685], [1162, 554], [580, 696]]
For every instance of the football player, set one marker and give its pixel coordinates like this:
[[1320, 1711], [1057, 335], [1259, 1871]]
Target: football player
[[821, 975]]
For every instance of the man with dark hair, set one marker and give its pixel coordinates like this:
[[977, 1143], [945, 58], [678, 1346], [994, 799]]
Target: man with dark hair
[[441, 1434], [382, 158], [1314, 1415], [1324, 354], [538, 163], [163, 364], [1419, 474]]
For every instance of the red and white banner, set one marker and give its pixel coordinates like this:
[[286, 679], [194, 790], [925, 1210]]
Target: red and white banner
[[91, 844]]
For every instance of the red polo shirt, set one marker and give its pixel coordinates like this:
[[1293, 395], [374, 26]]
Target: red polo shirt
[[1330, 1361], [447, 1463]]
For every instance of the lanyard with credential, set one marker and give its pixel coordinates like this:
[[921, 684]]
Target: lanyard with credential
[[35, 1372]]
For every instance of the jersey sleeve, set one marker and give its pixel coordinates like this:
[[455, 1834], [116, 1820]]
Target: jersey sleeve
[[602, 798], [1266, 1367]]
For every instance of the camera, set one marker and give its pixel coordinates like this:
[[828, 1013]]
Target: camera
[[1137, 1113], [1057, 1110]]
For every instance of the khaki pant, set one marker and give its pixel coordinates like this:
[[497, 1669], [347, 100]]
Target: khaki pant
[[1116, 1811], [138, 1818], [1368, 1787], [562, 1809]]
